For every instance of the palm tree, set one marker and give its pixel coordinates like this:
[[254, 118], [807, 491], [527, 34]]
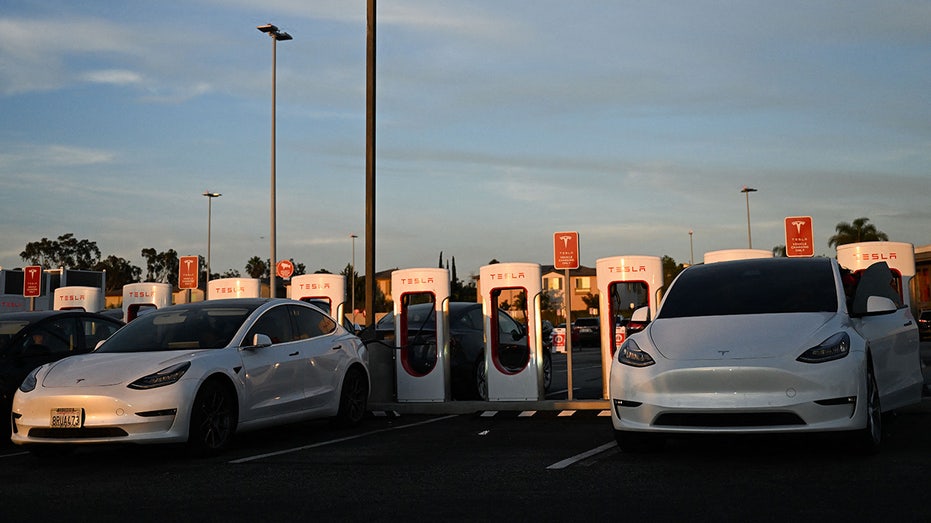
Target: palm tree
[[256, 267], [858, 231]]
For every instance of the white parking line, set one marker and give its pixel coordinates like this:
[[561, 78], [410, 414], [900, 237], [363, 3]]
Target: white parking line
[[340, 440], [11, 455], [579, 457]]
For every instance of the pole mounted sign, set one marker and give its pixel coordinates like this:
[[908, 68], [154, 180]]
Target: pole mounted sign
[[800, 241], [32, 281], [188, 272], [566, 250], [284, 269]]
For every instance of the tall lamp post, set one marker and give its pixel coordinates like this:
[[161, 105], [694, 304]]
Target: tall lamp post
[[352, 275], [691, 251], [276, 35], [210, 196], [747, 190]]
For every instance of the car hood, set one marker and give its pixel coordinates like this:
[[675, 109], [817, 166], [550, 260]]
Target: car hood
[[98, 369], [738, 336]]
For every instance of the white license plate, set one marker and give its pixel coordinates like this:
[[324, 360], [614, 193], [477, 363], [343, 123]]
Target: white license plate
[[67, 418], [585, 330]]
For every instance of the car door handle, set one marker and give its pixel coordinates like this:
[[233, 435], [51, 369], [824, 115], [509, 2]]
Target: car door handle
[[338, 347], [295, 353], [908, 323]]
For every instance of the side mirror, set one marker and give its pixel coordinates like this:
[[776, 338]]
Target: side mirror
[[259, 341], [879, 305], [641, 315]]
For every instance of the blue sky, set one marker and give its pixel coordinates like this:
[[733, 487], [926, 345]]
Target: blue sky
[[499, 123]]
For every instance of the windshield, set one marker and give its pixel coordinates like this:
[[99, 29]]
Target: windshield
[[179, 328], [772, 286]]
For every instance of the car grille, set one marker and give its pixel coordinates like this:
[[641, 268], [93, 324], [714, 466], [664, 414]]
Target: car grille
[[87, 432], [735, 419]]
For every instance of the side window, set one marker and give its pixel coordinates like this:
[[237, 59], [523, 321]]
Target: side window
[[55, 337], [95, 331], [475, 319], [275, 324], [506, 324], [309, 323]]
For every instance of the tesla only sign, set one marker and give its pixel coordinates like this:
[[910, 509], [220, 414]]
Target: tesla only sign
[[188, 270], [566, 250], [800, 240], [32, 281]]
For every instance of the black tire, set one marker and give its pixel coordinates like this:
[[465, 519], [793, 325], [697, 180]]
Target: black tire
[[481, 379], [639, 442], [547, 370], [213, 419], [353, 398], [869, 439]]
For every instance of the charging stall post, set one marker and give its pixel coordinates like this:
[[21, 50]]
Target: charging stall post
[[327, 291], [899, 256], [513, 361], [422, 363], [141, 296], [625, 284], [88, 299], [233, 288]]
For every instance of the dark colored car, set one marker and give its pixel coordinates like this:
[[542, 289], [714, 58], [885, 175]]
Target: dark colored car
[[589, 330], [466, 345], [31, 339], [924, 325]]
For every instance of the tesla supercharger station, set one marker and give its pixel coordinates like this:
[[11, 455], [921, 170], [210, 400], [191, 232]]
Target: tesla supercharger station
[[88, 299], [319, 289], [898, 255], [422, 362], [513, 372], [233, 288], [625, 283], [140, 296]]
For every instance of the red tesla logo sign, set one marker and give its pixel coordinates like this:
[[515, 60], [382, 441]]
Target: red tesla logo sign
[[566, 250], [800, 240], [188, 269], [284, 269], [32, 281]]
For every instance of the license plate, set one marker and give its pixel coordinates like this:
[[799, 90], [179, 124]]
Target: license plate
[[68, 418], [585, 330]]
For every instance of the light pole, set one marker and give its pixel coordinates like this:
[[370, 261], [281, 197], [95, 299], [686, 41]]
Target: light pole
[[210, 196], [276, 35], [352, 275], [691, 251], [747, 190]]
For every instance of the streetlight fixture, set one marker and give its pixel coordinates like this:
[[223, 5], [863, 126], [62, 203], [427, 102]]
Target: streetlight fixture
[[210, 196], [691, 251], [747, 190], [276, 35], [352, 275]]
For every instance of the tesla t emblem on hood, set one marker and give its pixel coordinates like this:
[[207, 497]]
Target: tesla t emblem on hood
[[79, 380], [723, 352]]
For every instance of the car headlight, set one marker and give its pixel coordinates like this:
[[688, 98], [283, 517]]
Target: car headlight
[[29, 384], [833, 348], [630, 354], [166, 376]]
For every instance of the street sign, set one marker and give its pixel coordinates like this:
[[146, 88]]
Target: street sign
[[188, 272], [32, 281], [284, 269], [566, 250], [800, 241]]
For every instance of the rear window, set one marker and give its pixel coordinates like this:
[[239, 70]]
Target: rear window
[[770, 286]]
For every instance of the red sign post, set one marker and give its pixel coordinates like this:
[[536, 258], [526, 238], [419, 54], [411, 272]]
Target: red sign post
[[188, 272], [284, 269], [800, 241], [566, 250], [32, 281]]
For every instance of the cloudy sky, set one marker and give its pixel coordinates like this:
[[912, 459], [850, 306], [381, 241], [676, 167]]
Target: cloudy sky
[[499, 122]]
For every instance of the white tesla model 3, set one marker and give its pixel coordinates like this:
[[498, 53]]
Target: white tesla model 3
[[768, 345], [197, 373]]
